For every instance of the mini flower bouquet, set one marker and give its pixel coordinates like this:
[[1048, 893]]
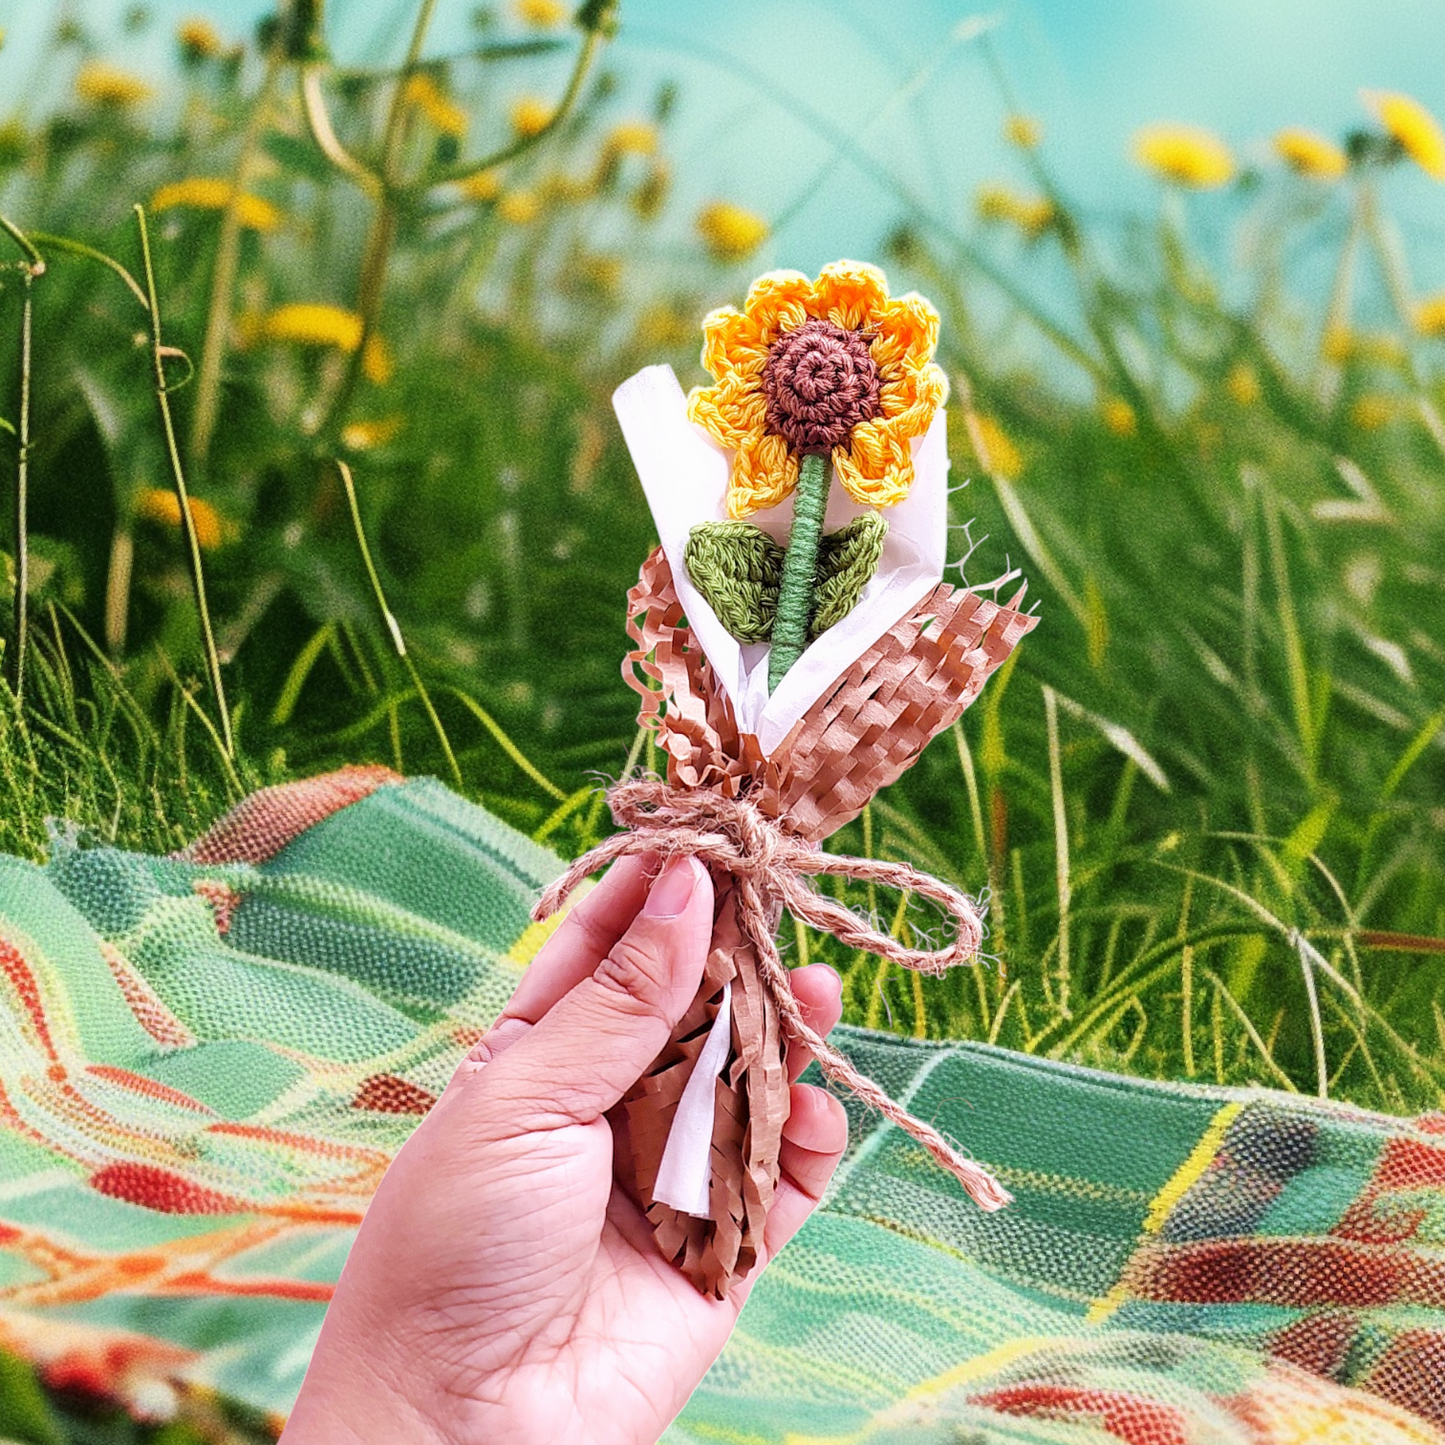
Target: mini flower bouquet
[[790, 666]]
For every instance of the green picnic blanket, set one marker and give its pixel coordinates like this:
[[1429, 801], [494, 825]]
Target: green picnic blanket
[[206, 1062]]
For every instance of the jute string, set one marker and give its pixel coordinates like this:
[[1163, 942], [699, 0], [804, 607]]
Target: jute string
[[771, 867]]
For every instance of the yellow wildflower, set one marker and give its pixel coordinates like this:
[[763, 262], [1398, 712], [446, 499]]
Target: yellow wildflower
[[440, 110], [632, 137], [889, 341], [1413, 127], [209, 193], [103, 84], [995, 448], [1430, 315], [199, 39], [482, 185], [1023, 131], [543, 14], [1371, 412], [1242, 384], [1033, 215], [1341, 344], [519, 208], [601, 272], [1186, 155], [315, 323], [1309, 154], [1118, 416], [161, 505], [531, 115], [359, 436], [730, 232]]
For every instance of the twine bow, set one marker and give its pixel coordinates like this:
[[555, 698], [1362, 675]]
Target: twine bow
[[771, 866]]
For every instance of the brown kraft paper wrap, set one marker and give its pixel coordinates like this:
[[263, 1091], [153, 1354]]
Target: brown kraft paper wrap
[[860, 735]]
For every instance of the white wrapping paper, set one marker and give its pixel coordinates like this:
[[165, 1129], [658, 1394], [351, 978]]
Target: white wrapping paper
[[684, 1178]]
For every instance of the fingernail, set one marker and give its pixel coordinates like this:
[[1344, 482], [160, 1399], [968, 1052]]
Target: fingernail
[[669, 895]]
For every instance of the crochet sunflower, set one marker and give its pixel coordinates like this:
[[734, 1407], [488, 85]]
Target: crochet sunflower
[[808, 373]]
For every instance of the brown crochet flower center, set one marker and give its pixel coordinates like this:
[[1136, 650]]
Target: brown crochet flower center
[[819, 382]]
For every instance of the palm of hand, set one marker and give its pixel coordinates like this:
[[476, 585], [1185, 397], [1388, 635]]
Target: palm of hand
[[501, 1287]]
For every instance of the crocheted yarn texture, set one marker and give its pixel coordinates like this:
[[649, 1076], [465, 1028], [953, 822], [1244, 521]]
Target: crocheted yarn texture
[[197, 1105]]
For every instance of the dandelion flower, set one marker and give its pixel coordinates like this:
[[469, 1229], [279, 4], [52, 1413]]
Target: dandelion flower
[[440, 110], [1430, 315], [1242, 384], [199, 39], [1413, 127], [210, 193], [1033, 215], [162, 506], [633, 137], [103, 84], [730, 232], [541, 14], [1185, 155], [519, 208], [1023, 131], [360, 436], [995, 447], [481, 185], [1309, 154], [531, 115], [1371, 412], [834, 367], [1119, 416], [316, 323]]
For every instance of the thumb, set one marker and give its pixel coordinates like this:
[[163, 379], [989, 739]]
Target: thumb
[[594, 1043]]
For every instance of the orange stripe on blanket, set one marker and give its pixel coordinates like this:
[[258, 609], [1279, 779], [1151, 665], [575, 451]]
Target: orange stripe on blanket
[[260, 826], [149, 1088]]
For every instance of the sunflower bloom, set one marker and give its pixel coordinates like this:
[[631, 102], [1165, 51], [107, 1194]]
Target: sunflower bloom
[[1185, 155], [769, 358], [210, 193], [1307, 153], [1430, 315], [541, 14], [441, 111], [199, 39], [109, 85], [162, 506], [730, 232], [1417, 132], [531, 115], [315, 323]]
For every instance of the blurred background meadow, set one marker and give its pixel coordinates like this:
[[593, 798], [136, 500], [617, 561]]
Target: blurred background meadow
[[309, 323]]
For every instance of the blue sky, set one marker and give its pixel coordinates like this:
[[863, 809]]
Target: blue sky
[[779, 96]]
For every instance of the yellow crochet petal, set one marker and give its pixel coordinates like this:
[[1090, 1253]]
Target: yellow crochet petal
[[907, 328], [876, 469], [732, 341], [779, 301], [764, 472], [850, 294], [730, 411]]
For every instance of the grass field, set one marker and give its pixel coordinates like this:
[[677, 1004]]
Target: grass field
[[1207, 798]]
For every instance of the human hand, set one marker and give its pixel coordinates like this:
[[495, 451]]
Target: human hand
[[501, 1288]]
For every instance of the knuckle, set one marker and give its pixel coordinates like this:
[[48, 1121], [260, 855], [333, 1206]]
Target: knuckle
[[635, 972]]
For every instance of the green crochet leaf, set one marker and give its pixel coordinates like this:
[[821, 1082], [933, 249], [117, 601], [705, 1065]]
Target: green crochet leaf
[[737, 567], [846, 561]]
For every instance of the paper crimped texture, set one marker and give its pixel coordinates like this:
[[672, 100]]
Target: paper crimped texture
[[858, 736]]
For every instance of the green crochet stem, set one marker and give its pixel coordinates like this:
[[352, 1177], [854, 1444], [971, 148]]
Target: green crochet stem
[[800, 568]]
